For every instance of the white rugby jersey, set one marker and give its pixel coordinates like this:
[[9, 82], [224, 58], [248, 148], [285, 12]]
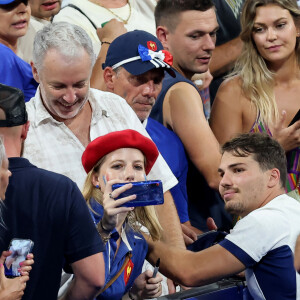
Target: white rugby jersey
[[264, 241]]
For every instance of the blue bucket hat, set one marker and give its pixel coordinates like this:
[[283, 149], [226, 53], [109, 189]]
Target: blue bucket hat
[[138, 52]]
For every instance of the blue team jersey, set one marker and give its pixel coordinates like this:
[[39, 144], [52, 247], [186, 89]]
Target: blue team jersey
[[17, 73], [131, 241], [172, 150]]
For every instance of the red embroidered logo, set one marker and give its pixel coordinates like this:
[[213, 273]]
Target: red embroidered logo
[[128, 271], [152, 46]]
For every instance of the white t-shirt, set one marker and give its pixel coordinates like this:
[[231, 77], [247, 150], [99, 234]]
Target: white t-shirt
[[264, 241], [141, 17], [51, 145]]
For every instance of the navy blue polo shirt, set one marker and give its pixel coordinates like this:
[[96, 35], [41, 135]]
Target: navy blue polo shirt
[[49, 209]]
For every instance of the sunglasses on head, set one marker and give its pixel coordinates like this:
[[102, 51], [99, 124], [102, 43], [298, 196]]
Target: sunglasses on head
[[13, 4]]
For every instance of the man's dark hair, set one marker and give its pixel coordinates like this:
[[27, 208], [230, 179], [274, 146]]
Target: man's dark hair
[[265, 150], [167, 11]]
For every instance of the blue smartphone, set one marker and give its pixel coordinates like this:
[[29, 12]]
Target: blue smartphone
[[147, 193], [20, 248]]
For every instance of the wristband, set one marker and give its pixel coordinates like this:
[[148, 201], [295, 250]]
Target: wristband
[[104, 234], [104, 229]]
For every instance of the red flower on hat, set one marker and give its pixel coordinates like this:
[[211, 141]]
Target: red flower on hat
[[168, 57], [152, 45]]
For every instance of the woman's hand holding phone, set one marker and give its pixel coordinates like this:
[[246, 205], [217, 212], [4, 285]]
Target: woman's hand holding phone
[[113, 207], [13, 289], [26, 265]]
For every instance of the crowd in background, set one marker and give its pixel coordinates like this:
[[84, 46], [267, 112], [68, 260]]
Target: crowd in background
[[200, 94]]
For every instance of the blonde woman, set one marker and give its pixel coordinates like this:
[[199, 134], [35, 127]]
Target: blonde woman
[[262, 94], [122, 156]]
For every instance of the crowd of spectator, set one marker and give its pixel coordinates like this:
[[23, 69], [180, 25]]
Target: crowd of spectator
[[199, 94]]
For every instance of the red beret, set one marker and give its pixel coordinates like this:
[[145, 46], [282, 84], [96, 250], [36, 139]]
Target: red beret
[[107, 143]]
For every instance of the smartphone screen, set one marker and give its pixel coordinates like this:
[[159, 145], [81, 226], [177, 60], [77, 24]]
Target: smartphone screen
[[147, 193], [20, 248]]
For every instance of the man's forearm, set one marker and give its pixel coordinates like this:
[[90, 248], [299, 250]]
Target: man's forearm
[[169, 220], [224, 56], [97, 81], [78, 291], [89, 278], [106, 34]]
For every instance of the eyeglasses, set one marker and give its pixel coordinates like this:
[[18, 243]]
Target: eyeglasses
[[13, 4]]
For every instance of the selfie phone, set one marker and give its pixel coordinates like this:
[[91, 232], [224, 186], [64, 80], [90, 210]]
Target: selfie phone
[[296, 118], [147, 193], [20, 249]]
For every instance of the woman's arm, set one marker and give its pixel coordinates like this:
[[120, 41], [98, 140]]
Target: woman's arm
[[226, 116], [107, 34]]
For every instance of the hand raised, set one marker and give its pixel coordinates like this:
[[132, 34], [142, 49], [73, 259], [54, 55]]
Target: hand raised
[[288, 137], [111, 30], [111, 206]]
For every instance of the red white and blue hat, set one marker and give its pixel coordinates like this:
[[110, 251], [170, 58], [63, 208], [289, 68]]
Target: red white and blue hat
[[138, 52]]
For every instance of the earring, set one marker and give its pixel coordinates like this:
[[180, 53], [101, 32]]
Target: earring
[[97, 186]]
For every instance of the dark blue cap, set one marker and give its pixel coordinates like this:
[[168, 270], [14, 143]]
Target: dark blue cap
[[138, 52], [4, 2]]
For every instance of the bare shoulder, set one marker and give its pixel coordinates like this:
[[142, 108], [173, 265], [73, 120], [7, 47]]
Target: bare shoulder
[[182, 101], [232, 111], [231, 87], [181, 91], [230, 94]]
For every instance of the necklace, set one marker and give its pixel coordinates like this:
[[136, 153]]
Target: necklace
[[125, 21]]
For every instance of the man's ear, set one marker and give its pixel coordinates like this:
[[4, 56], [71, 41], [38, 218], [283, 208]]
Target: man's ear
[[274, 178], [24, 132], [162, 34], [108, 75], [34, 72]]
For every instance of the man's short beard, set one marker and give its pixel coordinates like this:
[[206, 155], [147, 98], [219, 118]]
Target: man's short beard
[[235, 208]]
